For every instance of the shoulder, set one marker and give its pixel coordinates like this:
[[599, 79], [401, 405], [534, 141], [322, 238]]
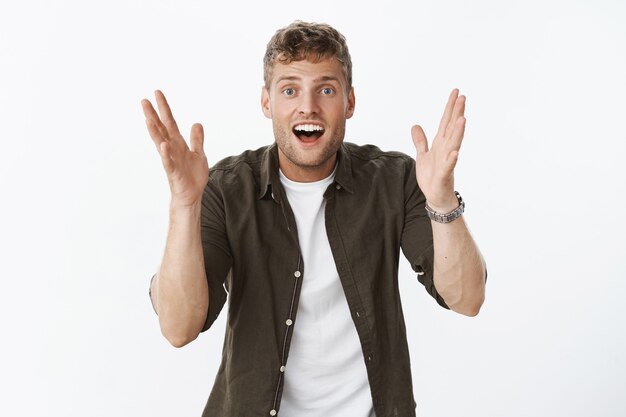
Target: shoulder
[[243, 167], [372, 157], [247, 159]]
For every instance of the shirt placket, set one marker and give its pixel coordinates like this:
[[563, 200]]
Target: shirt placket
[[355, 303], [289, 321]]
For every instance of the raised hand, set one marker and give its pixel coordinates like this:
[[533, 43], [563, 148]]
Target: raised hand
[[186, 167], [435, 167]]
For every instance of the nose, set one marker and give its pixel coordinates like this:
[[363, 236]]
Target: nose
[[308, 103]]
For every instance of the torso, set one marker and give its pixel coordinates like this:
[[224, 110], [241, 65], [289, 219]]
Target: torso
[[325, 373]]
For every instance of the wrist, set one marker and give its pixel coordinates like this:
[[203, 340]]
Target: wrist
[[443, 213], [444, 205], [178, 208]]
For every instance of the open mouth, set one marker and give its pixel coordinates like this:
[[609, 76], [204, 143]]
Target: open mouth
[[308, 132]]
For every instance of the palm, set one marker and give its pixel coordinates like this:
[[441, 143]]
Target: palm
[[435, 167], [186, 166]]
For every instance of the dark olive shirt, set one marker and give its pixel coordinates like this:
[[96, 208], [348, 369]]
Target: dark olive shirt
[[374, 208]]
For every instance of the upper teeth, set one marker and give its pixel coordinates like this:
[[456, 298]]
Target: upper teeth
[[309, 128]]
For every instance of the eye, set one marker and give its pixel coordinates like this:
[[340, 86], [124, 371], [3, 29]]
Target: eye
[[289, 91], [327, 91]]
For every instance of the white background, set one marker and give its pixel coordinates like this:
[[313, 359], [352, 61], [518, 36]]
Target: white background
[[84, 199]]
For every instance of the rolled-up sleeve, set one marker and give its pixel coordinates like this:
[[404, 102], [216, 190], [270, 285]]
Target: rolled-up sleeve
[[218, 259], [417, 234]]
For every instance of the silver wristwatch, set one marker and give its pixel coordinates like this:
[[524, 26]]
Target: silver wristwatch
[[448, 217]]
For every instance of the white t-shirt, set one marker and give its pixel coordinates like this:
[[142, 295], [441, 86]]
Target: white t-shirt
[[325, 374]]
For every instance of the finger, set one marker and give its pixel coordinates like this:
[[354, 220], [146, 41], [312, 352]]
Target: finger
[[419, 140], [166, 157], [151, 114], [166, 114], [447, 113], [196, 138], [457, 112], [155, 133], [456, 137]]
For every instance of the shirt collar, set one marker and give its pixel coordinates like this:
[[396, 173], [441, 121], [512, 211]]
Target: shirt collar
[[270, 179]]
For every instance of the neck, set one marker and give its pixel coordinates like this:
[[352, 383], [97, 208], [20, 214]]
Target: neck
[[300, 173]]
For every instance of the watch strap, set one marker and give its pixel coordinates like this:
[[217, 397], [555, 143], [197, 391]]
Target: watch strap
[[448, 217]]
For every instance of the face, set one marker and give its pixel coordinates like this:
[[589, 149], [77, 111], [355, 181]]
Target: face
[[309, 104]]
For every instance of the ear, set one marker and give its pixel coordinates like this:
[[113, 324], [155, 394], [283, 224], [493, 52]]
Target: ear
[[265, 103], [351, 103]]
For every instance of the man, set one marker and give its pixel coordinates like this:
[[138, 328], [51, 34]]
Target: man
[[304, 236]]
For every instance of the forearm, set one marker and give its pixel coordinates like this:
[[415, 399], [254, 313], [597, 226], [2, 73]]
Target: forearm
[[180, 291], [459, 269]]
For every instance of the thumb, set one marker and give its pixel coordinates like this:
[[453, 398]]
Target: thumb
[[419, 140]]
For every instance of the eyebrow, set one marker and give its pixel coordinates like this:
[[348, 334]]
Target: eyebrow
[[316, 80]]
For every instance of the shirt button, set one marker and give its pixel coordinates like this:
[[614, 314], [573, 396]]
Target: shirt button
[[297, 274], [272, 413], [289, 322], [282, 368], [338, 187]]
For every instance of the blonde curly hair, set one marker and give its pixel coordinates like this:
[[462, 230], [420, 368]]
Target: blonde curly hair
[[311, 41]]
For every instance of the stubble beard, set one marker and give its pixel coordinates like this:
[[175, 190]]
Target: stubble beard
[[313, 158]]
